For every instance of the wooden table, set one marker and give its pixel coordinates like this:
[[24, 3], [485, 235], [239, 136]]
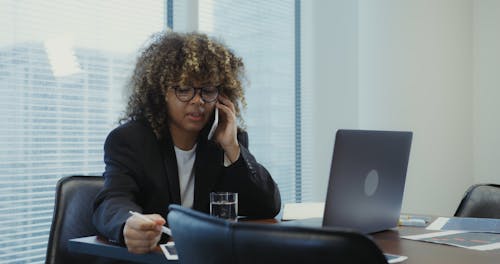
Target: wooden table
[[430, 253], [96, 246], [389, 241]]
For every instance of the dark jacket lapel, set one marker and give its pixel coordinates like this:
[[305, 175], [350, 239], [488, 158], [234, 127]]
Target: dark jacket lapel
[[171, 172], [207, 168]]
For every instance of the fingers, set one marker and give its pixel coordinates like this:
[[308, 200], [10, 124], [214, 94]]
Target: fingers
[[227, 110], [228, 113], [226, 102], [139, 223], [145, 243], [158, 219], [141, 235]]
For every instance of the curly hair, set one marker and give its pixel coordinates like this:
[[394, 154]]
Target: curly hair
[[173, 59]]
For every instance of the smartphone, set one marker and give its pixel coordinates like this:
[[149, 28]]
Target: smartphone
[[391, 258], [214, 124], [169, 251]]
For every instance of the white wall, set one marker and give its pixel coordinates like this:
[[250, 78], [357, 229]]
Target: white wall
[[487, 90], [428, 66], [415, 65]]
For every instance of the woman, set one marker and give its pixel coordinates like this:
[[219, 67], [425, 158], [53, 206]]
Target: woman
[[161, 153]]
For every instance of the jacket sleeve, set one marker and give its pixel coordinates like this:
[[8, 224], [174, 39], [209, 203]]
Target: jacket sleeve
[[119, 194], [258, 194]]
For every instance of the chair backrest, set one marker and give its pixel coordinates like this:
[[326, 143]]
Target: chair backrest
[[72, 217], [200, 238], [480, 200]]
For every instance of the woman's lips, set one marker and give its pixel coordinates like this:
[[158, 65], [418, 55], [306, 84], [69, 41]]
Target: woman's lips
[[195, 116]]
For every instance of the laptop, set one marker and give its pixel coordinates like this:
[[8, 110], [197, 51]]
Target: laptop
[[367, 180]]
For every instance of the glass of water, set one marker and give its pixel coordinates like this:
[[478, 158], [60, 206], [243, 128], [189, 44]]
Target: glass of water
[[224, 205]]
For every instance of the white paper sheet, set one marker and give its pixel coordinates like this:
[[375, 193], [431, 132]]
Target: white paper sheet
[[463, 239], [296, 211]]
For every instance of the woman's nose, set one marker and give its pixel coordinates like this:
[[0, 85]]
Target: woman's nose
[[197, 97]]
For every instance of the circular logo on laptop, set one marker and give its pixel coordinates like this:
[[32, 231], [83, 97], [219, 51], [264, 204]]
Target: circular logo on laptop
[[371, 182]]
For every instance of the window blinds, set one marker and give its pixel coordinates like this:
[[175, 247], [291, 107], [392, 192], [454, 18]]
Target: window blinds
[[263, 33], [63, 65]]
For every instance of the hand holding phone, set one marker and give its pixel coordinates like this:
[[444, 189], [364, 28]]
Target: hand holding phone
[[214, 124], [227, 131]]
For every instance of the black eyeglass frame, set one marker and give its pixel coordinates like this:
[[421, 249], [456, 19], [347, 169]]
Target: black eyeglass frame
[[194, 91]]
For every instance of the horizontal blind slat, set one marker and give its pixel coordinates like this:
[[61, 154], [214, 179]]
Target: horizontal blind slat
[[44, 225]]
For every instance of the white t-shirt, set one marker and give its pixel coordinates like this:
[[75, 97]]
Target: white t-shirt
[[185, 163]]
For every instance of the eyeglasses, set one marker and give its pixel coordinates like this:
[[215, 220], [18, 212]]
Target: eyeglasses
[[186, 94]]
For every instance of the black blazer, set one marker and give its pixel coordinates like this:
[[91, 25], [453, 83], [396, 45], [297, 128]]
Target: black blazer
[[141, 175]]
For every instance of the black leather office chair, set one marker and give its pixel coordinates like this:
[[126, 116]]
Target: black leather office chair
[[480, 200], [200, 238], [72, 218]]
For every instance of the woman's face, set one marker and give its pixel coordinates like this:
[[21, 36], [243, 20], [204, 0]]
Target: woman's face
[[191, 116]]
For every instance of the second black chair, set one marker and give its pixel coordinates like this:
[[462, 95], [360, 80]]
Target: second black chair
[[72, 218], [480, 200], [200, 238]]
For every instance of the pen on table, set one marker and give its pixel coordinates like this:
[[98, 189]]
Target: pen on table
[[411, 222], [164, 229], [408, 217]]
